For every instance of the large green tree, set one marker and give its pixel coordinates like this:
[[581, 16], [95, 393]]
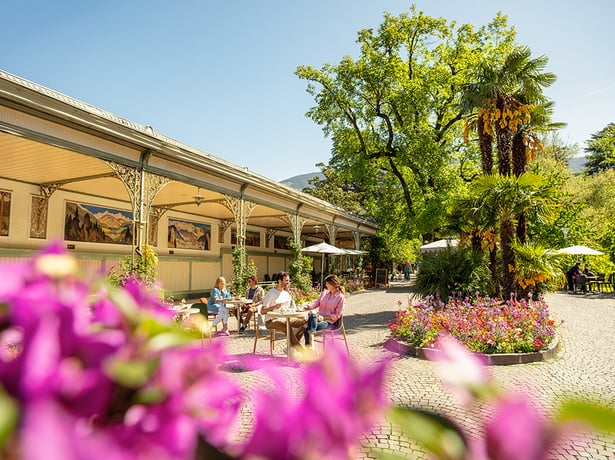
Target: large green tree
[[601, 151], [394, 114]]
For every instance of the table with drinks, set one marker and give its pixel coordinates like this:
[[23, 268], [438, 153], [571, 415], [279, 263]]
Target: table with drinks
[[237, 303], [288, 311]]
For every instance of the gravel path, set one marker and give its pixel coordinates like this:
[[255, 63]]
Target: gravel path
[[583, 366]]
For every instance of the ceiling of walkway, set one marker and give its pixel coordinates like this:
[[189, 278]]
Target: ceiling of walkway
[[41, 164]]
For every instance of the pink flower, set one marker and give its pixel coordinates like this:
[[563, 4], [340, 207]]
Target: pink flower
[[463, 372], [340, 402], [516, 431]]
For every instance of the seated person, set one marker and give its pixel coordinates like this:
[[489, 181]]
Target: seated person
[[256, 294], [581, 282], [587, 271], [330, 306], [571, 275], [217, 303], [275, 298]]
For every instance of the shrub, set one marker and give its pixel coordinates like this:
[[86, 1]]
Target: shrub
[[453, 269]]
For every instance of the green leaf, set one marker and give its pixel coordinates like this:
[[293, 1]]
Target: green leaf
[[130, 373], [600, 417], [170, 340], [436, 433], [9, 412]]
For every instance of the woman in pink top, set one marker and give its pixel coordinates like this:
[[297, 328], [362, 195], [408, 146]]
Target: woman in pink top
[[330, 305]]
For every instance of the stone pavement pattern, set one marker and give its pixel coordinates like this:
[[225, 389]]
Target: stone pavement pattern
[[584, 366]]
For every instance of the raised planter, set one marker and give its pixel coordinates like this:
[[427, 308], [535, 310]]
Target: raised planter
[[501, 359]]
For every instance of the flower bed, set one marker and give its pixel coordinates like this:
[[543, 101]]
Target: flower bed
[[484, 325]]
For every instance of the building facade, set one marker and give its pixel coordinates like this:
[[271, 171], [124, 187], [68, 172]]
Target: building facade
[[105, 186]]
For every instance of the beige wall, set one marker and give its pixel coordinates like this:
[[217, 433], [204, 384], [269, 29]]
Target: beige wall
[[180, 273]]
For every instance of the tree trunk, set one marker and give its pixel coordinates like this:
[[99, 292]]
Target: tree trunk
[[485, 144], [508, 258]]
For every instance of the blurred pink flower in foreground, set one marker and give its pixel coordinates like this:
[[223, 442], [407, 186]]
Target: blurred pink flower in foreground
[[464, 373], [341, 402]]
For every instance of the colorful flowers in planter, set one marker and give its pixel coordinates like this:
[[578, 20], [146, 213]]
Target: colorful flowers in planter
[[483, 325]]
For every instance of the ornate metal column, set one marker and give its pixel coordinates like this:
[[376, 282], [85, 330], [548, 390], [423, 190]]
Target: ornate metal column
[[40, 209], [142, 187], [269, 233], [296, 223], [241, 210], [332, 232]]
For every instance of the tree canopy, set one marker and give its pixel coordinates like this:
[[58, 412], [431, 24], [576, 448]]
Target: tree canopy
[[601, 151], [394, 114]]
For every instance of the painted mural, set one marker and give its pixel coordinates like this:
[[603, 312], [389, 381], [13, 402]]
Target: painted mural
[[97, 224], [5, 212], [184, 234], [252, 238]]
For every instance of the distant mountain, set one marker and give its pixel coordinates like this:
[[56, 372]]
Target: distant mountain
[[577, 164], [301, 181]]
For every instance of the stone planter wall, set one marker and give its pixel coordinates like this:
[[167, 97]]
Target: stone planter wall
[[502, 359]]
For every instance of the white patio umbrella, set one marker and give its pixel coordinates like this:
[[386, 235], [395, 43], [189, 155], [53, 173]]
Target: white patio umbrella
[[323, 248], [579, 250]]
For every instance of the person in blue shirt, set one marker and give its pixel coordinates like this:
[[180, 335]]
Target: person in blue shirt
[[217, 304]]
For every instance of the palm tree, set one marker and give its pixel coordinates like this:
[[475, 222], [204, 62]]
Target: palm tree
[[526, 146], [503, 95], [506, 197]]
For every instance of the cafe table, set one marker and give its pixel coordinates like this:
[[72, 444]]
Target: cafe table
[[237, 303], [288, 314]]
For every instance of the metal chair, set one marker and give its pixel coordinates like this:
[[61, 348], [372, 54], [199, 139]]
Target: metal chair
[[202, 324], [331, 334], [271, 336], [204, 311]]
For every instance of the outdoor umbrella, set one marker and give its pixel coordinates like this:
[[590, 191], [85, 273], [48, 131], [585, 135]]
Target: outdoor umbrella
[[579, 250], [323, 248]]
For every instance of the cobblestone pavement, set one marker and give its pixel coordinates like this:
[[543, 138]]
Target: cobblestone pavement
[[584, 366]]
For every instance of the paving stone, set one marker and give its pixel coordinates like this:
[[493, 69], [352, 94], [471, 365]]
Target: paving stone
[[582, 367]]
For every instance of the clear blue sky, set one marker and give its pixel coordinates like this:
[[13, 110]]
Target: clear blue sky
[[219, 75]]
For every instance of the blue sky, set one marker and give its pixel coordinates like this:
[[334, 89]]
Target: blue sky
[[219, 75]]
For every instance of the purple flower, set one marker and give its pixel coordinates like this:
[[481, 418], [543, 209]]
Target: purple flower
[[463, 372], [340, 402], [516, 431]]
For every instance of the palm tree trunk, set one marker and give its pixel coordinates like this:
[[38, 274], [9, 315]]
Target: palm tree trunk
[[519, 154], [485, 144], [508, 258]]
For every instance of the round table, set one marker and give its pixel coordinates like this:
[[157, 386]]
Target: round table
[[238, 303], [288, 315]]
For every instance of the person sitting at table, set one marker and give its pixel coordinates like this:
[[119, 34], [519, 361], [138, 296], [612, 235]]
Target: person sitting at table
[[256, 294], [330, 306], [571, 275], [217, 304], [275, 298], [587, 271]]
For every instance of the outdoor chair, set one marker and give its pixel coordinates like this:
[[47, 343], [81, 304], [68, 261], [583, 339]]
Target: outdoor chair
[[204, 311], [270, 334], [600, 282], [580, 283], [337, 331], [202, 324]]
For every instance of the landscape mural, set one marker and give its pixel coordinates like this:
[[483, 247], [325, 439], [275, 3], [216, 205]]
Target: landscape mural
[[5, 212], [252, 238], [97, 224], [184, 234]]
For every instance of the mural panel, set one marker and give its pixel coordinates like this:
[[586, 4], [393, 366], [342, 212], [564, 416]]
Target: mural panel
[[5, 212], [252, 238], [280, 242], [97, 224], [184, 234]]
